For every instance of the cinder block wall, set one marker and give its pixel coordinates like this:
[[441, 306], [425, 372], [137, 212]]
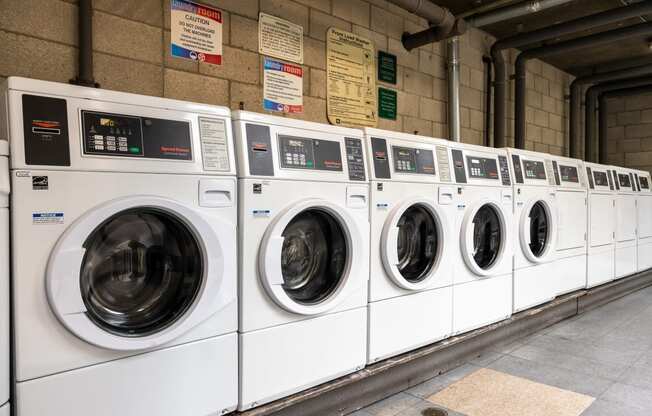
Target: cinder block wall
[[630, 131], [131, 53]]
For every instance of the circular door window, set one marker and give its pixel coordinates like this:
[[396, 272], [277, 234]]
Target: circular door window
[[539, 229], [487, 236], [417, 243], [313, 256], [141, 271]]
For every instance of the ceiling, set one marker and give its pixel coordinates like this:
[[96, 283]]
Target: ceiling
[[579, 62]]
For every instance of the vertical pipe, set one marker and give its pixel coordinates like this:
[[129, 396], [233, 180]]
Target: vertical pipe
[[454, 88], [574, 123], [603, 144], [487, 102], [589, 125], [500, 81], [519, 101], [85, 74]]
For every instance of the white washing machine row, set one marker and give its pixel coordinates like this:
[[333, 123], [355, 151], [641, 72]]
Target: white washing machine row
[[123, 253], [626, 259], [601, 229]]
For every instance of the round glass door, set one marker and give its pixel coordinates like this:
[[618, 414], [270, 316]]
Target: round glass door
[[417, 243], [141, 271], [313, 256], [539, 229], [487, 236]]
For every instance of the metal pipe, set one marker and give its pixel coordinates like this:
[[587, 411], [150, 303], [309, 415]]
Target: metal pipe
[[85, 71], [454, 89], [487, 106], [603, 145], [558, 48], [433, 34], [592, 95], [561, 29], [576, 98], [515, 10]]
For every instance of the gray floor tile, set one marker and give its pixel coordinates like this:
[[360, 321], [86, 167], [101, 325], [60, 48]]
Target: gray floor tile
[[637, 376], [632, 396], [362, 412], [392, 405], [553, 376], [486, 358], [604, 408], [436, 384]]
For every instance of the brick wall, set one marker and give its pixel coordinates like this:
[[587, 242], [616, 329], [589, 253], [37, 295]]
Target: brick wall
[[630, 131], [131, 53]]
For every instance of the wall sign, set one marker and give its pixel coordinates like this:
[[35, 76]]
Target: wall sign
[[196, 32], [351, 79], [282, 87], [386, 67], [280, 38], [387, 103]]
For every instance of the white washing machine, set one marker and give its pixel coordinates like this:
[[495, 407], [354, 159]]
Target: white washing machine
[[412, 215], [626, 222], [4, 277], [124, 263], [601, 217], [644, 210], [482, 268], [535, 219], [570, 250], [304, 263]]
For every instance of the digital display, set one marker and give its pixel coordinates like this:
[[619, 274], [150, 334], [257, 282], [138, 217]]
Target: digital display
[[411, 160], [623, 179], [600, 178], [534, 169], [304, 153], [482, 167], [569, 173], [644, 183]]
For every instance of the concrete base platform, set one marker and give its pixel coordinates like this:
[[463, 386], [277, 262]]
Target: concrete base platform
[[385, 378]]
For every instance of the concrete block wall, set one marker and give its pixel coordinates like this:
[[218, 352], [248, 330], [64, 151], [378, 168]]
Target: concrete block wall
[[630, 131], [131, 53]]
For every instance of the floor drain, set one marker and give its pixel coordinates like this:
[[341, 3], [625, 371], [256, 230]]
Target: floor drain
[[433, 411]]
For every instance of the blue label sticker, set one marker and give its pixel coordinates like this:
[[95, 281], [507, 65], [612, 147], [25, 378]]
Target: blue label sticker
[[47, 218]]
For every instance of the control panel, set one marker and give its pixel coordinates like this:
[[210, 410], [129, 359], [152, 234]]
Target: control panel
[[600, 178], [638, 183], [411, 160], [504, 171], [132, 136], [616, 180], [45, 131], [624, 180], [550, 172], [611, 182], [589, 175], [380, 158], [632, 181], [355, 159], [556, 171], [534, 169], [569, 173], [518, 171], [458, 166], [443, 163], [644, 183], [305, 153], [482, 167]]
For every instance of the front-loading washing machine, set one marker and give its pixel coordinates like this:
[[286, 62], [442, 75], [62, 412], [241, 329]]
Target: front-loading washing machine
[[4, 279], [412, 212], [124, 263], [482, 263], [570, 249], [304, 263], [535, 220], [644, 217], [626, 222], [601, 225]]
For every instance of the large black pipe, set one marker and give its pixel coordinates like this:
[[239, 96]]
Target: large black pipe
[[561, 29], [487, 106], [592, 94], [576, 99], [558, 48], [433, 34], [85, 74]]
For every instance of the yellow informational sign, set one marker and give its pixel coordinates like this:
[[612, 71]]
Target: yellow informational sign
[[351, 95]]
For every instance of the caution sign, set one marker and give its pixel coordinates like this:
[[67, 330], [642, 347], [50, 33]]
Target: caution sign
[[351, 95], [196, 32], [282, 87]]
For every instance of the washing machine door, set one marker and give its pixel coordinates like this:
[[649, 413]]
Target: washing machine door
[[484, 231], [538, 230], [311, 257], [412, 243], [138, 272]]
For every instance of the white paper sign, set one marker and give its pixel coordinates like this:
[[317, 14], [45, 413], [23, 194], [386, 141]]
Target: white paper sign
[[215, 150], [280, 38], [283, 87]]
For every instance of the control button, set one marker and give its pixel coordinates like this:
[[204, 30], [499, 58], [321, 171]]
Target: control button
[[122, 139], [110, 147], [98, 137], [99, 147], [123, 149]]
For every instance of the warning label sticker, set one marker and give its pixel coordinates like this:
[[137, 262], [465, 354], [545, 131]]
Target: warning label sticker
[[39, 218]]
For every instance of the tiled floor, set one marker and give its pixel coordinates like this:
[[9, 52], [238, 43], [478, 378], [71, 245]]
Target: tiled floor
[[605, 354]]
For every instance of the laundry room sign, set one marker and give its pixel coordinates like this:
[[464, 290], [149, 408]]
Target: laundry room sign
[[195, 32], [282, 87]]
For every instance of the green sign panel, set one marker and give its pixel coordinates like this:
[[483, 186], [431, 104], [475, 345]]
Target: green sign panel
[[387, 103], [386, 67]]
